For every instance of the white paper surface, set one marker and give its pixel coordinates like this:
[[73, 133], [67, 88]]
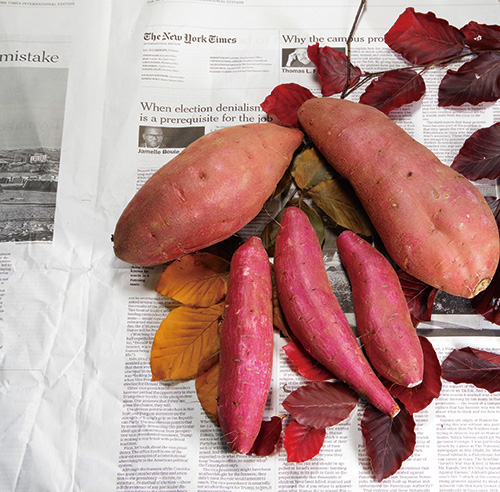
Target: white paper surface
[[81, 81]]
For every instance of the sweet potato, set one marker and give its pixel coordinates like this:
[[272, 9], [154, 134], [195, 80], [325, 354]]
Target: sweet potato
[[383, 319], [434, 223], [204, 195], [313, 312], [246, 346]]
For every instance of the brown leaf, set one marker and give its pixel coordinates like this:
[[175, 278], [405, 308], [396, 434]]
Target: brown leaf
[[310, 168], [183, 340], [337, 199], [388, 441], [198, 279], [321, 404]]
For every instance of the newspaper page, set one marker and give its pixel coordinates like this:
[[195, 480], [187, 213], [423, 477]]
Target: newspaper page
[[98, 97]]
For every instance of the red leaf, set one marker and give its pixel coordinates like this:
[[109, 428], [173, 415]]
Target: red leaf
[[388, 441], [306, 365], [268, 437], [419, 297], [424, 38], [302, 442], [331, 67], [467, 365], [481, 36], [393, 90], [321, 404], [474, 82], [284, 102], [487, 302], [421, 396], [479, 157]]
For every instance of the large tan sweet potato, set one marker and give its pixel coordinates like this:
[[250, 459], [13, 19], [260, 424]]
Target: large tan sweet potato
[[434, 223], [213, 188]]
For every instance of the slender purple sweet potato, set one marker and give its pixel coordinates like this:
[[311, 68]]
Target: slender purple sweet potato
[[314, 314], [204, 195], [434, 223], [246, 351], [383, 319]]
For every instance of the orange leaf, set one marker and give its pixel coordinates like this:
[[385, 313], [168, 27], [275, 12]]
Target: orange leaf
[[207, 387], [182, 341], [198, 279]]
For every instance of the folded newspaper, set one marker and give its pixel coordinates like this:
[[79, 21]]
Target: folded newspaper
[[96, 97]]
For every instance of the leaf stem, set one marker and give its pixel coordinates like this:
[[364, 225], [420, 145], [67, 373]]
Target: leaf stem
[[349, 41]]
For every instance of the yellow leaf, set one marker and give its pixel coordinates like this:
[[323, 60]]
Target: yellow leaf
[[337, 199], [198, 279], [207, 388], [183, 339], [310, 168]]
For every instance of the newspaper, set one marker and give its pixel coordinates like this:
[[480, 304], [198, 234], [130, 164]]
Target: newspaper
[[84, 86]]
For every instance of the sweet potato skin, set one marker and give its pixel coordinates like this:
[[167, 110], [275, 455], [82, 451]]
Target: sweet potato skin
[[313, 312], [246, 351], [205, 194], [434, 223], [383, 319]]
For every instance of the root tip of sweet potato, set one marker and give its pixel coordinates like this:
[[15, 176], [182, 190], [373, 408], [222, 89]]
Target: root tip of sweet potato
[[413, 385], [481, 285]]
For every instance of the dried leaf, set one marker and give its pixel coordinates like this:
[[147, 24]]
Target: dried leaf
[[301, 442], [481, 36], [388, 441], [394, 89], [479, 157], [424, 38], [183, 340], [207, 386], [472, 366], [474, 82], [198, 279], [332, 69], [310, 168], [337, 199], [284, 102], [321, 404], [419, 296], [306, 365], [268, 437], [421, 396], [269, 232]]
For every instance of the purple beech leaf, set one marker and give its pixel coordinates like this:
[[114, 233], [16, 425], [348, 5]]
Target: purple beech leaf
[[394, 89], [421, 396], [472, 366], [388, 441], [424, 38], [268, 437], [474, 82], [321, 404], [331, 67], [302, 442], [479, 157], [482, 36]]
